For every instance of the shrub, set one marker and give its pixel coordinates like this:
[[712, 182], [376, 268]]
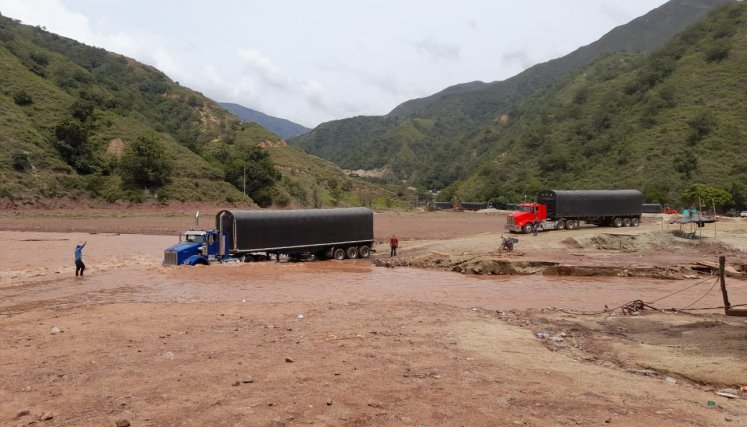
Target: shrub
[[22, 98]]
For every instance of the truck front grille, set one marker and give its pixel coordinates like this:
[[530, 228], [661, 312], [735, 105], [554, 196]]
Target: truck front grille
[[169, 257], [510, 220]]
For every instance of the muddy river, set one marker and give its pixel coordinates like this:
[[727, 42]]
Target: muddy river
[[36, 272]]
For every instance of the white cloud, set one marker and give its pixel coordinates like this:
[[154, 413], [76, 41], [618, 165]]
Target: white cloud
[[255, 62], [520, 57], [437, 50]]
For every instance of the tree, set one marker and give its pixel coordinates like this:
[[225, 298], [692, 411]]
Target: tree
[[254, 166], [707, 195], [144, 164], [71, 141]]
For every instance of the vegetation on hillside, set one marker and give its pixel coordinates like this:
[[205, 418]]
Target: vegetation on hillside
[[436, 141], [78, 121], [659, 123]]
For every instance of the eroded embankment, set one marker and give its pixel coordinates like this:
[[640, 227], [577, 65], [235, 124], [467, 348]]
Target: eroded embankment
[[622, 244], [490, 265]]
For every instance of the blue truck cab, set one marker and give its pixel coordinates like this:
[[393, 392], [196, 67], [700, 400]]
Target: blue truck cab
[[194, 247]]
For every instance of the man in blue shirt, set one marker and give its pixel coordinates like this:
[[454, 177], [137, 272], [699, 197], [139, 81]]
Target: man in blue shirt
[[79, 266]]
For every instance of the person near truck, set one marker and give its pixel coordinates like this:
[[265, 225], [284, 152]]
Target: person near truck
[[393, 244], [79, 266]]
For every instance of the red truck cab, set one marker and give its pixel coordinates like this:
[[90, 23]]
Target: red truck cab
[[525, 216]]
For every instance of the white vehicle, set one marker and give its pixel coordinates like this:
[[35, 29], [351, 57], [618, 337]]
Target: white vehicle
[[743, 214]]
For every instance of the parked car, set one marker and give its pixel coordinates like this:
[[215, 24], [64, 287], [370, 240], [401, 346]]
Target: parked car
[[732, 212], [743, 214]]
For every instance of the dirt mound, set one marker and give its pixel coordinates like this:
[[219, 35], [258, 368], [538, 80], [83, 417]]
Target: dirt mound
[[656, 240]]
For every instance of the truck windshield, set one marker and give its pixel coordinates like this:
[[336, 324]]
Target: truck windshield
[[524, 208], [196, 238]]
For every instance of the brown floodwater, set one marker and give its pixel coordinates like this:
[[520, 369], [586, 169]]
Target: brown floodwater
[[36, 272]]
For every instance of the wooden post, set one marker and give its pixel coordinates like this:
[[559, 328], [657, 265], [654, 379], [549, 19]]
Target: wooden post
[[722, 275]]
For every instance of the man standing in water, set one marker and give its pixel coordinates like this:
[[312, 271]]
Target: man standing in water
[[79, 266]]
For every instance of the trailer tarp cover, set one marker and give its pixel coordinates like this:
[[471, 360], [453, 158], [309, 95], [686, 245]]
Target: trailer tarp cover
[[653, 208], [272, 229], [590, 203]]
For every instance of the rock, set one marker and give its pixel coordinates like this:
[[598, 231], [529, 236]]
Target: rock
[[248, 380], [46, 416], [670, 380], [373, 404], [288, 360], [543, 335], [300, 316], [169, 355], [646, 372], [329, 402], [122, 423], [236, 383], [55, 330], [729, 391], [23, 413]]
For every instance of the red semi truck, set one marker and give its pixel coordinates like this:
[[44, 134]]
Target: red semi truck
[[561, 210]]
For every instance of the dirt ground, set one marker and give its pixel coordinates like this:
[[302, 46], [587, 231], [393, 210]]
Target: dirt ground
[[520, 340]]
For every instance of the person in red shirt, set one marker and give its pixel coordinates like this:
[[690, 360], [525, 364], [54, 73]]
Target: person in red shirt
[[393, 243]]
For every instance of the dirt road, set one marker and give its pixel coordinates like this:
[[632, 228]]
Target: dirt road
[[348, 343]]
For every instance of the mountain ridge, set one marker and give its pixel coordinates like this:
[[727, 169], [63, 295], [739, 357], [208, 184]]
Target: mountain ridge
[[409, 139], [282, 127]]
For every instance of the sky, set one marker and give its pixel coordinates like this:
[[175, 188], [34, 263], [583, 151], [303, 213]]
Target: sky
[[315, 61]]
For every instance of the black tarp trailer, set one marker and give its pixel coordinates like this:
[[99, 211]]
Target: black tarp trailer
[[473, 206], [652, 208], [600, 207], [336, 233]]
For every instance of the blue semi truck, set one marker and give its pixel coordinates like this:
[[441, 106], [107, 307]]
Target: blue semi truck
[[263, 234]]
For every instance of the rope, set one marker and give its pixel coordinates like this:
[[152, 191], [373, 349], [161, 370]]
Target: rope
[[609, 310]]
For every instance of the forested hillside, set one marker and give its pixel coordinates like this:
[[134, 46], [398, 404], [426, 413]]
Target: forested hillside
[[78, 121], [421, 140], [660, 123]]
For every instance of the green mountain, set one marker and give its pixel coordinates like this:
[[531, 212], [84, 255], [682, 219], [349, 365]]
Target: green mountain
[[421, 140], [284, 128], [80, 122], [659, 122]]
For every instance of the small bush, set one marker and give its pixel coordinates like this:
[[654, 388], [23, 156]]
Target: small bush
[[22, 98], [21, 162]]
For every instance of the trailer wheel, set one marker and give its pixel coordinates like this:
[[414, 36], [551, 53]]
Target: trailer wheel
[[351, 252], [617, 222], [560, 225], [635, 222], [626, 222], [570, 224], [527, 228], [364, 251], [338, 254]]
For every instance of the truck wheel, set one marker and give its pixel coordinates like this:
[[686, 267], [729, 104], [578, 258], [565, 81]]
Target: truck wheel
[[364, 251], [527, 228], [617, 222], [635, 222], [351, 252], [560, 225], [338, 254], [570, 224], [626, 222]]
